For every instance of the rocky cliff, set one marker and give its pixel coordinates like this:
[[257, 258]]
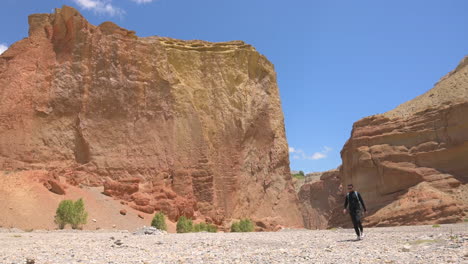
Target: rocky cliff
[[185, 127], [410, 163], [321, 199]]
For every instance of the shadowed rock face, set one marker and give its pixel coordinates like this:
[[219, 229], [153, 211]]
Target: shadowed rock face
[[187, 127], [320, 199], [411, 163]]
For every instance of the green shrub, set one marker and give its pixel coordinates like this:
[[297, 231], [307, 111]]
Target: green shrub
[[212, 228], [299, 175], [159, 221], [184, 225], [204, 227], [244, 225], [235, 227], [63, 213], [199, 227], [69, 212], [436, 225]]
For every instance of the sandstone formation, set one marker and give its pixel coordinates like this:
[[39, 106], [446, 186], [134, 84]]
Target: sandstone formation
[[308, 178], [185, 127], [319, 199], [411, 163]]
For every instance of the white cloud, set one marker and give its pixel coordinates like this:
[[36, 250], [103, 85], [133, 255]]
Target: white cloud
[[142, 1], [3, 47], [100, 6], [300, 154], [318, 155]]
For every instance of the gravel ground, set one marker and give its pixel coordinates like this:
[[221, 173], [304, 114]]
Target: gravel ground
[[410, 244]]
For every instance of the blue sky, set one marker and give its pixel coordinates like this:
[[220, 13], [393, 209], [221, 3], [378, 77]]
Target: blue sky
[[337, 61]]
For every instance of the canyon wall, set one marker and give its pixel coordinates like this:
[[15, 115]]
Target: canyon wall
[[410, 163], [185, 127]]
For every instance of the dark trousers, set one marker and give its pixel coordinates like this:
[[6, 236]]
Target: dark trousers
[[356, 218]]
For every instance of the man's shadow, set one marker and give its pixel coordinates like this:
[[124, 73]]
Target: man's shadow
[[349, 240]]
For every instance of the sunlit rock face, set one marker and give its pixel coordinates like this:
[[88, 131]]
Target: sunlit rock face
[[411, 163], [185, 127]]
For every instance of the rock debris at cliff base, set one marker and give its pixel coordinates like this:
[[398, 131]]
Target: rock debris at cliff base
[[410, 244]]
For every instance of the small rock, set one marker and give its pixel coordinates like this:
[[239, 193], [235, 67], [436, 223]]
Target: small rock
[[123, 212], [55, 187], [149, 230], [118, 242], [114, 226], [406, 248], [140, 216], [30, 261], [94, 220]]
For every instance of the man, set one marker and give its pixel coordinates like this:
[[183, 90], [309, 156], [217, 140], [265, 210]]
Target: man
[[355, 202]]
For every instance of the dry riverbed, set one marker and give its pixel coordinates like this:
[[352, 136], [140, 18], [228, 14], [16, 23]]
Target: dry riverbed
[[409, 244]]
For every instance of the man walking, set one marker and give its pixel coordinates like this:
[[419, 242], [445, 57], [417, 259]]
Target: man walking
[[355, 202]]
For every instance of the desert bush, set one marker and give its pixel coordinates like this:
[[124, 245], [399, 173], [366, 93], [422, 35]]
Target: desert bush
[[212, 228], [159, 221], [436, 225], [204, 227], [69, 212], [299, 175], [184, 225], [244, 225]]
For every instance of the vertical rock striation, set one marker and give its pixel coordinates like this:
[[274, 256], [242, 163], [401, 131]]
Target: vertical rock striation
[[186, 127]]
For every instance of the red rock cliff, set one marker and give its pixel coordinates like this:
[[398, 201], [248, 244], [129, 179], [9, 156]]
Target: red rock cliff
[[185, 127], [411, 164]]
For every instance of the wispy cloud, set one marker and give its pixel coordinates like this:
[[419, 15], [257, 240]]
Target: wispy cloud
[[143, 1], [100, 6], [300, 154], [3, 47]]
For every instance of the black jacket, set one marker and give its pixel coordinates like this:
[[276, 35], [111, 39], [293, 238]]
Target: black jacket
[[354, 199]]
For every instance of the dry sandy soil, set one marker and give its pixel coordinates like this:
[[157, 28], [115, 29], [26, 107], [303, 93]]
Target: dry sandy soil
[[25, 203], [409, 244]]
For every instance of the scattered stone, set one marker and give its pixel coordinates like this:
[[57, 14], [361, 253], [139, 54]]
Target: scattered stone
[[382, 245], [140, 216], [149, 230], [406, 248], [30, 261], [94, 220], [123, 212], [55, 187]]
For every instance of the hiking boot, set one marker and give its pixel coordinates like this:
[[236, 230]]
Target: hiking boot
[[362, 235]]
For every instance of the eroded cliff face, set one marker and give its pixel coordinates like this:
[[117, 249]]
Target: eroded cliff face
[[185, 127], [410, 163], [321, 200]]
